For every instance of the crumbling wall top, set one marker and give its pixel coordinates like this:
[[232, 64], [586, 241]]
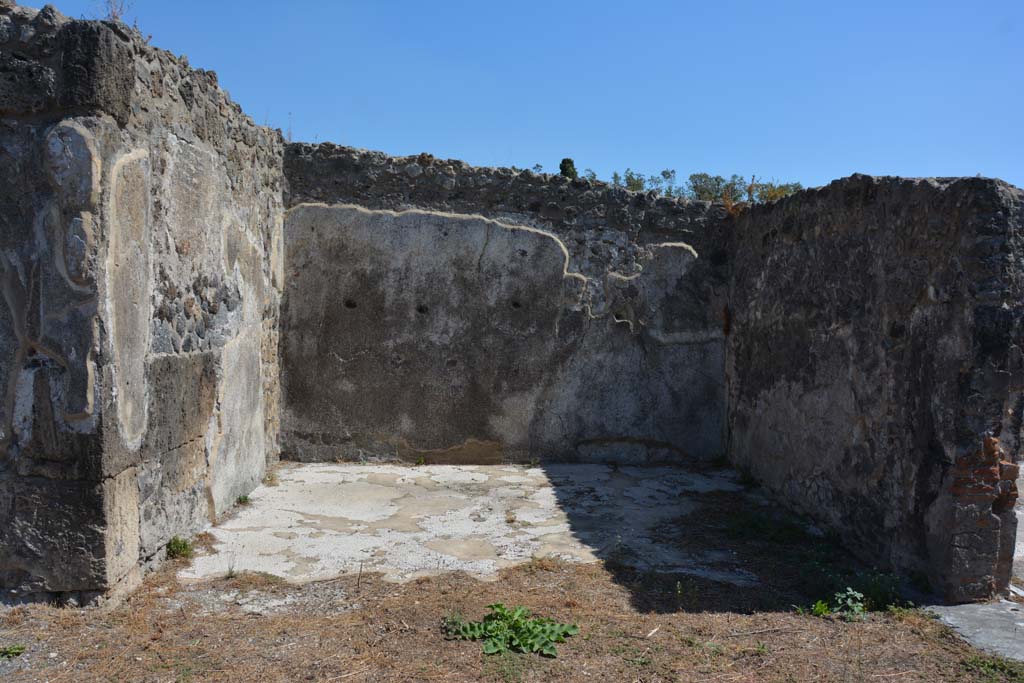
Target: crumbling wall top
[[604, 227]]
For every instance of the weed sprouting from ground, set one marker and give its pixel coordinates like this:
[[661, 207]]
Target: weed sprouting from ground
[[243, 500], [179, 547], [11, 651], [849, 604], [821, 609], [995, 669], [511, 630], [854, 592]]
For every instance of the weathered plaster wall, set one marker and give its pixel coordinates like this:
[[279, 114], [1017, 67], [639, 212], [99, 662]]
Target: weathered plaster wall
[[604, 228], [576, 322], [875, 368], [461, 339], [140, 244]]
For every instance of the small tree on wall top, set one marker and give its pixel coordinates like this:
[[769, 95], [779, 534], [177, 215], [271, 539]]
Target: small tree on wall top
[[115, 10], [568, 168]]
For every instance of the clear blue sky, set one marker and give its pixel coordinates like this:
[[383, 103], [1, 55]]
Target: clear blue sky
[[806, 91]]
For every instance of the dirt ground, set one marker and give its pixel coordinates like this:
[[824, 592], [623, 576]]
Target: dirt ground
[[364, 629], [636, 625]]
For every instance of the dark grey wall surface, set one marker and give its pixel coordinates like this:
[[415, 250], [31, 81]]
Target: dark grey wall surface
[[875, 367]]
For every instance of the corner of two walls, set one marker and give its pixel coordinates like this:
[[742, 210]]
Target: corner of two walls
[[855, 347], [142, 267]]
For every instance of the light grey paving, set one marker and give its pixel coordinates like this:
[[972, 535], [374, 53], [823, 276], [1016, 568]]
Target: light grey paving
[[996, 627], [325, 520]]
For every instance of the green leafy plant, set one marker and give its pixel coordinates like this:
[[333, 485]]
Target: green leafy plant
[[511, 630], [849, 603], [824, 575], [821, 609], [11, 651], [179, 547], [243, 500]]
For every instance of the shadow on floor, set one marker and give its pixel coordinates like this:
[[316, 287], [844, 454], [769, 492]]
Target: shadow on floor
[[678, 539], [700, 539]]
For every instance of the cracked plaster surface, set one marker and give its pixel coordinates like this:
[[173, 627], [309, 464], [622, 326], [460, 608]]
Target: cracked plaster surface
[[327, 520]]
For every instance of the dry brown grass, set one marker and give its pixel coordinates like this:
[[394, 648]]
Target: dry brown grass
[[388, 632], [637, 626], [542, 564], [249, 581], [204, 542]]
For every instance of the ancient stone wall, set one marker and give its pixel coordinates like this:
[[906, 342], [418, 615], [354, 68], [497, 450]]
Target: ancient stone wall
[[875, 370], [854, 347], [140, 222], [576, 321], [604, 228], [870, 332]]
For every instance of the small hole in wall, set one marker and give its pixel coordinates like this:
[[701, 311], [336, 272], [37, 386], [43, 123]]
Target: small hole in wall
[[349, 303], [516, 305], [421, 309]]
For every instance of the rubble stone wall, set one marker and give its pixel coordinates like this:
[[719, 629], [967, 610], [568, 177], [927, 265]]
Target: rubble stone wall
[[140, 252], [874, 368]]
